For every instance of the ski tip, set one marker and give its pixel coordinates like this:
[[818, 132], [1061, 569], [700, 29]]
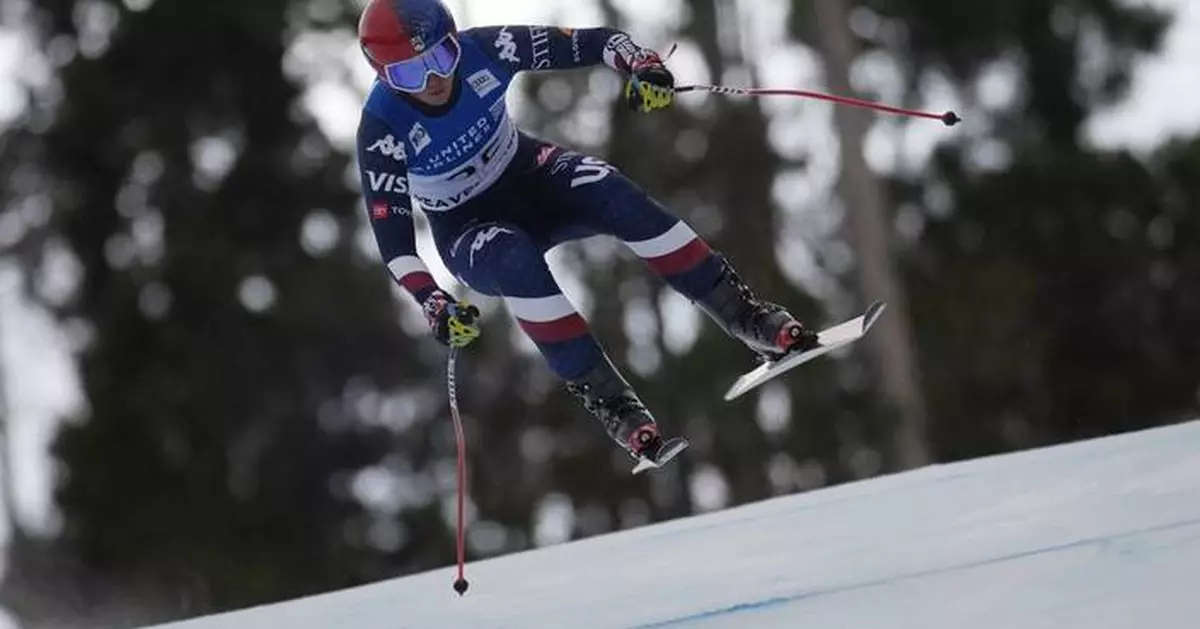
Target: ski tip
[[872, 314], [732, 395], [735, 391]]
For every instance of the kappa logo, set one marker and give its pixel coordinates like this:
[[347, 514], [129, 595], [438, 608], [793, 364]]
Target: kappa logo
[[507, 46], [484, 237], [419, 138], [483, 82], [389, 147]]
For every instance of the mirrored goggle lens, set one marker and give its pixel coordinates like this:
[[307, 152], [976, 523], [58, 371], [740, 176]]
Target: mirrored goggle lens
[[410, 75]]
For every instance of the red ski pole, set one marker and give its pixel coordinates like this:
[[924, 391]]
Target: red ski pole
[[948, 118], [460, 584]]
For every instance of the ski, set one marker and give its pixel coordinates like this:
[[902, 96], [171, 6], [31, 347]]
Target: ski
[[667, 451], [829, 339]]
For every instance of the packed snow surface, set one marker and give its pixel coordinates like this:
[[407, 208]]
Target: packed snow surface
[[1092, 535]]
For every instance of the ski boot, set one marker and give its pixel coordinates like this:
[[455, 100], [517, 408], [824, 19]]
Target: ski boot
[[766, 328], [610, 399]]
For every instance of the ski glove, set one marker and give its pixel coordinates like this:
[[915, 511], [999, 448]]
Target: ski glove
[[453, 322], [651, 85]]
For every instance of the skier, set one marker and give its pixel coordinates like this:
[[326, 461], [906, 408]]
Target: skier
[[435, 130]]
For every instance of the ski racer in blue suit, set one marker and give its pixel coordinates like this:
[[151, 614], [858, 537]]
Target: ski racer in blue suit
[[435, 132]]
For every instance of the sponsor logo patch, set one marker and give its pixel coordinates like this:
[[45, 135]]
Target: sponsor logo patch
[[483, 238], [419, 138], [540, 37], [387, 182], [483, 82], [507, 46], [388, 146]]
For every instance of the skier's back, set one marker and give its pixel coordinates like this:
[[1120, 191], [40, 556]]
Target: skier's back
[[435, 129]]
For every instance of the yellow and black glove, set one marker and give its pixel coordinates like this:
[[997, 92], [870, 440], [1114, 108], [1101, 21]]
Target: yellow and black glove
[[651, 85], [454, 323]]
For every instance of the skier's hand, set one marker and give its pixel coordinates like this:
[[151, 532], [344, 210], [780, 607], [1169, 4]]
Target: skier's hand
[[454, 323], [651, 85]]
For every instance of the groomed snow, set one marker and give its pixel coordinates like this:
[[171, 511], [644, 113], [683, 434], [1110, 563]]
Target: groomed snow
[[1092, 535]]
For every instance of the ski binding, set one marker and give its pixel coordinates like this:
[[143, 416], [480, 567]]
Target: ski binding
[[828, 340]]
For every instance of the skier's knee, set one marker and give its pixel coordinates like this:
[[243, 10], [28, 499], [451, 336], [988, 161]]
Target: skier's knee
[[518, 259]]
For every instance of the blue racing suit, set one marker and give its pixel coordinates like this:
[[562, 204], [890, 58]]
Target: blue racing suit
[[498, 199]]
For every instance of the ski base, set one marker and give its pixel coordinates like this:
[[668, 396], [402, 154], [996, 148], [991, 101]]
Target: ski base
[[669, 450], [829, 339]]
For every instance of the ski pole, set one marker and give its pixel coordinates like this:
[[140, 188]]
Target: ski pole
[[948, 118], [460, 584]]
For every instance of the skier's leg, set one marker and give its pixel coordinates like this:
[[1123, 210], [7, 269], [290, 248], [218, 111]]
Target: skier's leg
[[602, 198], [500, 259]]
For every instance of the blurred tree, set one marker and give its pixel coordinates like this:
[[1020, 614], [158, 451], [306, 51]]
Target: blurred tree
[[868, 230], [1071, 56], [244, 359], [1035, 261], [259, 425], [1062, 293]]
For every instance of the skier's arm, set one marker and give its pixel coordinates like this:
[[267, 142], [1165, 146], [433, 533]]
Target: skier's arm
[[515, 49], [521, 48], [384, 171]]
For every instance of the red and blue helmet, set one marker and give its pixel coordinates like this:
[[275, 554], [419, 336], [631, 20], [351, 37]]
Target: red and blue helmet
[[405, 40]]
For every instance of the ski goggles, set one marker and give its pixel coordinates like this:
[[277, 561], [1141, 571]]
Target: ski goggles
[[411, 75]]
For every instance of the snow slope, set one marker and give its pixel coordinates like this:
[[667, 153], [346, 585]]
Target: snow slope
[[1096, 535]]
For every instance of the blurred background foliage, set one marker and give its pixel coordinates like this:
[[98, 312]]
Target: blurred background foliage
[[264, 415]]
